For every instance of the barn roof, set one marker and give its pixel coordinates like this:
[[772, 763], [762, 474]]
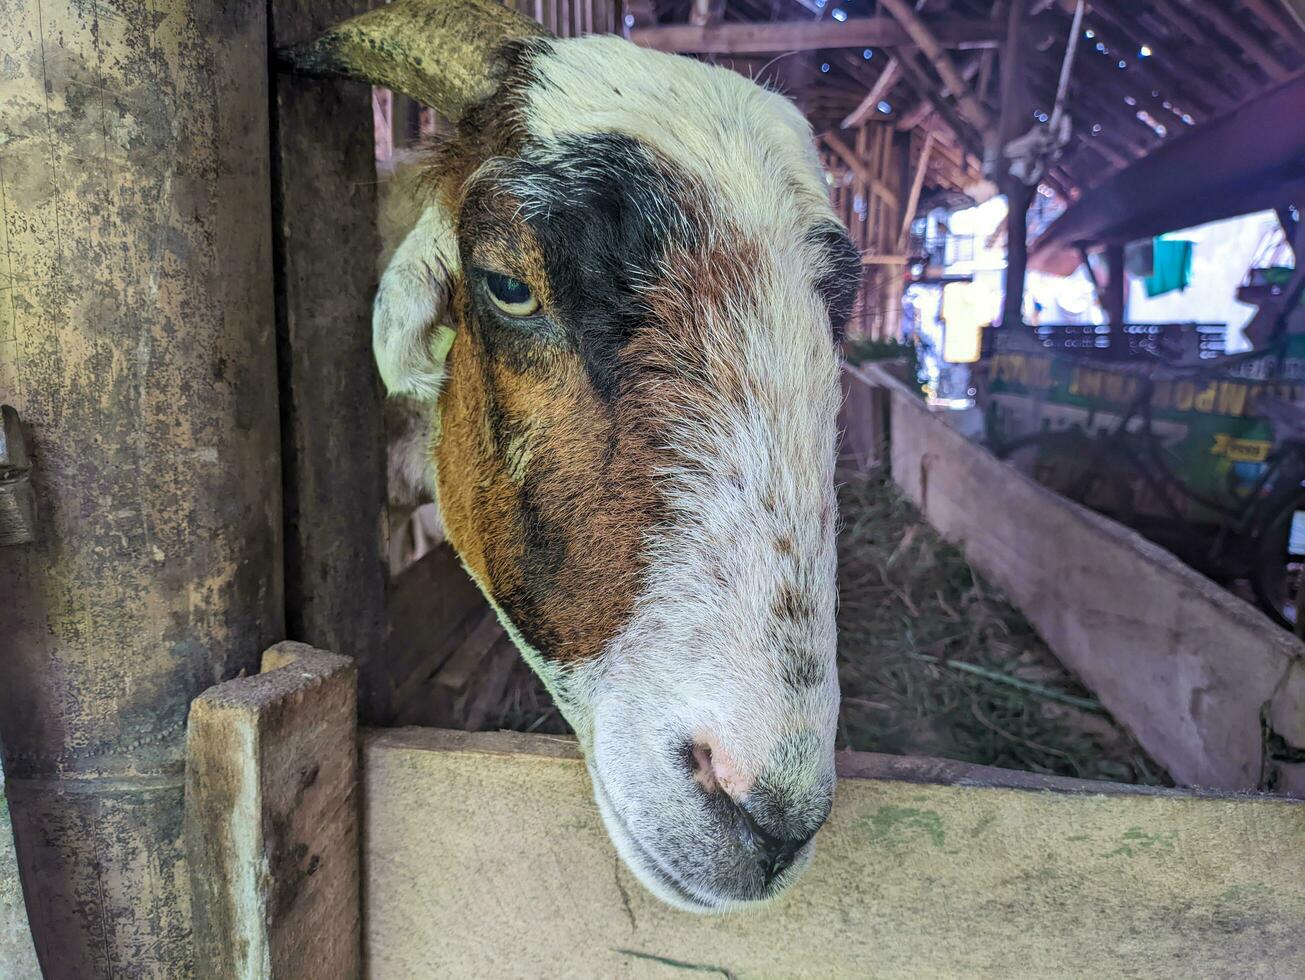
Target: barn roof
[[1146, 73]]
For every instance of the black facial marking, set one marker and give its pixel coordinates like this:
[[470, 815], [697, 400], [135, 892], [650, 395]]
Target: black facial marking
[[800, 669], [792, 605], [605, 212], [544, 552], [840, 273]]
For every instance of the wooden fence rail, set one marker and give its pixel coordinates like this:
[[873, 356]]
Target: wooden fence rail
[[484, 855]]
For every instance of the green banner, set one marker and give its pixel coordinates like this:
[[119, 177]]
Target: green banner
[[1211, 435]]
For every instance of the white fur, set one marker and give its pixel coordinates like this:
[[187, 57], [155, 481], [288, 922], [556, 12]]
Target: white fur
[[411, 301], [701, 655], [750, 147]]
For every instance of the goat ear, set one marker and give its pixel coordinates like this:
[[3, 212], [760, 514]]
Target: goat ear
[[409, 335]]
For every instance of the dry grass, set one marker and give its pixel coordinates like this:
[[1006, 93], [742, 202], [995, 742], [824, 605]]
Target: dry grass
[[932, 661]]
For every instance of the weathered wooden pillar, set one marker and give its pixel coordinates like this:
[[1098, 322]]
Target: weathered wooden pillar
[[137, 342], [1018, 198]]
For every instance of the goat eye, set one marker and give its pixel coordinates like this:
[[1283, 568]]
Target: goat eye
[[512, 296]]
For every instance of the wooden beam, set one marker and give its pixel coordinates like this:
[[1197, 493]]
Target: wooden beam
[[913, 199], [882, 86], [1280, 18], [858, 167], [929, 43], [914, 115], [704, 13], [1232, 28], [990, 55], [1296, 11], [335, 576], [783, 36], [927, 88], [1056, 184], [1014, 119], [1200, 57], [1188, 89], [1203, 175]]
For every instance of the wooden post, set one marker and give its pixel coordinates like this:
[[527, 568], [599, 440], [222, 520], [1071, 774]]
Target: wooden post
[[272, 820], [1014, 103], [1116, 296], [333, 436], [1018, 198], [913, 199], [137, 345]]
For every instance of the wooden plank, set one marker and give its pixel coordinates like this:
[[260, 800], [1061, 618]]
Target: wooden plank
[[859, 167], [272, 820], [334, 460], [804, 35], [862, 427], [878, 92], [1201, 175], [136, 343], [926, 868], [1186, 665], [913, 199]]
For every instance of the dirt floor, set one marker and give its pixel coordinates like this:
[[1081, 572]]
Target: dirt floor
[[933, 661]]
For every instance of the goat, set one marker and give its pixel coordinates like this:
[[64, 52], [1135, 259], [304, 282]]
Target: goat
[[619, 293]]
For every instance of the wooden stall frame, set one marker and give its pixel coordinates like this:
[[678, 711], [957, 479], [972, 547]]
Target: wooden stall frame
[[1210, 687], [926, 867]]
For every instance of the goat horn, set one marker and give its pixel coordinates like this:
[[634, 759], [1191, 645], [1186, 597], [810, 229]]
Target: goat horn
[[443, 53]]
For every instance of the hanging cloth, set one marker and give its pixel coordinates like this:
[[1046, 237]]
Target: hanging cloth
[[1171, 266]]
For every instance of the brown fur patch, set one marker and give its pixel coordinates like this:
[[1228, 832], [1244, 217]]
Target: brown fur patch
[[546, 489]]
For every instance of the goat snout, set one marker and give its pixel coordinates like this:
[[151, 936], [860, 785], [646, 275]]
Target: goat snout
[[758, 818]]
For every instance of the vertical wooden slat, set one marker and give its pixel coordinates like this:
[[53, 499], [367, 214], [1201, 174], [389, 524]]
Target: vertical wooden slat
[[334, 457], [272, 815]]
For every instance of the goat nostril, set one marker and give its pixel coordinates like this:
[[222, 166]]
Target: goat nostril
[[703, 772], [779, 855], [776, 853], [713, 768]]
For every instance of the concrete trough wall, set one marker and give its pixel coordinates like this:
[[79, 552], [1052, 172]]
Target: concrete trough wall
[[1212, 688], [484, 855]]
